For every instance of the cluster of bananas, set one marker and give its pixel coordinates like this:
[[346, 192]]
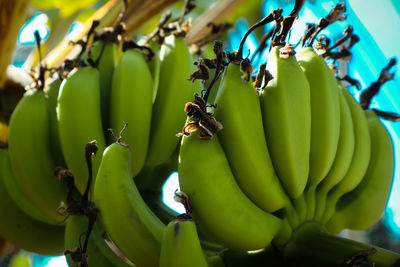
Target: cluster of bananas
[[266, 160]]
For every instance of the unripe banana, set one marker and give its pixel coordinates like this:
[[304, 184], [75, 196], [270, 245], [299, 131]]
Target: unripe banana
[[154, 67], [20, 228], [173, 93], [325, 114], [16, 193], [363, 207], [30, 154], [359, 162], [242, 138], [52, 95], [106, 69], [128, 220], [288, 134], [342, 161], [181, 245], [98, 252], [131, 102], [220, 208], [344, 152], [79, 121]]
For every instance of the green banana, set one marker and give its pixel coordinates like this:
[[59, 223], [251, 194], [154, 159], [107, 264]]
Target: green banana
[[21, 229], [98, 252], [344, 153], [174, 91], [220, 208], [52, 95], [79, 121], [238, 110], [180, 245], [359, 162], [286, 96], [325, 114], [16, 193], [132, 226], [363, 207], [131, 102], [30, 154], [106, 69]]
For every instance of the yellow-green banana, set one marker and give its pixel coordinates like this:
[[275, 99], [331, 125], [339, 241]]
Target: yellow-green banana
[[325, 114], [174, 91], [287, 132], [344, 153], [220, 208], [131, 102], [359, 162], [31, 156], [98, 252], [180, 246], [242, 138], [132, 226], [79, 121], [343, 156], [16, 193], [363, 207], [20, 228]]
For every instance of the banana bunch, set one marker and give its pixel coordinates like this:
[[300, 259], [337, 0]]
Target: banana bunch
[[292, 147], [300, 149]]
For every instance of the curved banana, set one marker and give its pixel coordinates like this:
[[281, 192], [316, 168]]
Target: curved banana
[[174, 91], [79, 121], [220, 208], [30, 154], [359, 162], [16, 193], [154, 67], [344, 153], [106, 69], [132, 226], [288, 134], [131, 102], [98, 252], [180, 246], [21, 229], [244, 143], [363, 207], [325, 114], [52, 95]]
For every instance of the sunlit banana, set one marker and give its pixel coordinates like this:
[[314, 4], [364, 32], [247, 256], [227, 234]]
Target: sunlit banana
[[344, 152], [342, 160], [21, 229], [325, 114], [180, 246], [30, 154], [131, 102], [359, 162], [97, 251], [363, 207], [128, 220], [288, 134], [174, 91], [52, 95], [79, 121], [242, 138], [220, 208]]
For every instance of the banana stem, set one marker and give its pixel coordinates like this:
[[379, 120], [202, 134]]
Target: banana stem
[[311, 245]]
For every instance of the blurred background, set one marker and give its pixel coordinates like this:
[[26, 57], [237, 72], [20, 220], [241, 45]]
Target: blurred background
[[377, 23]]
